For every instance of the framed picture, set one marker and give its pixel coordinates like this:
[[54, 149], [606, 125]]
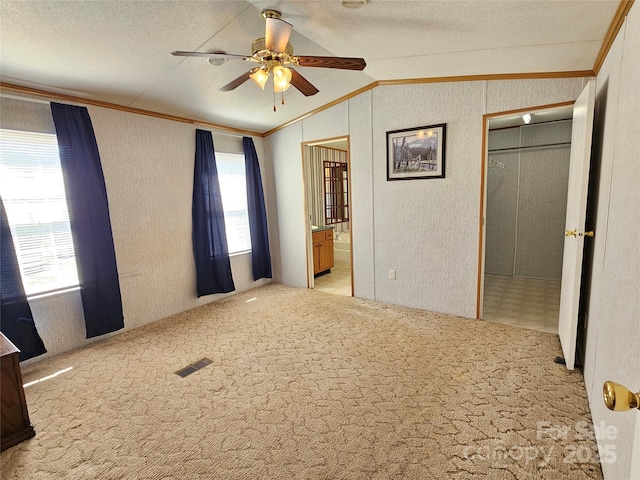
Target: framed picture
[[416, 153]]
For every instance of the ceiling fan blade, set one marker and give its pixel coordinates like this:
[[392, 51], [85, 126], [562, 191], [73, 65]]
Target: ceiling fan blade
[[302, 84], [332, 62], [227, 56], [277, 33], [237, 82]]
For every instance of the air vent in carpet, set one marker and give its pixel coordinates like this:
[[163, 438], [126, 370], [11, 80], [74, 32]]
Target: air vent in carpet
[[194, 367]]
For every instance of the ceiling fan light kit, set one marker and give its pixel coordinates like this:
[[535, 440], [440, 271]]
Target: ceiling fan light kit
[[281, 78], [274, 53], [259, 76], [272, 62]]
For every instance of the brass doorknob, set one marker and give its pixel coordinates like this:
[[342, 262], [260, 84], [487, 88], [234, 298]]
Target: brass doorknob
[[619, 398], [570, 233]]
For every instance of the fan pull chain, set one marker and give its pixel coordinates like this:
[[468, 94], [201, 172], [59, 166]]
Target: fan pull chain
[[282, 94], [274, 100]]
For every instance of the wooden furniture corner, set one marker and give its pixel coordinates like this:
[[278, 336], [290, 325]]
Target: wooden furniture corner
[[14, 417]]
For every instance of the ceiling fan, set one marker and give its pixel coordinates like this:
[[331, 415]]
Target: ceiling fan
[[273, 53]]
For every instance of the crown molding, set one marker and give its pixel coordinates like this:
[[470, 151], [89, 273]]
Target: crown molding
[[614, 28], [114, 106], [371, 86]]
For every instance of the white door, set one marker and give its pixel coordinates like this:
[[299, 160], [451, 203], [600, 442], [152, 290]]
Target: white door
[[575, 221]]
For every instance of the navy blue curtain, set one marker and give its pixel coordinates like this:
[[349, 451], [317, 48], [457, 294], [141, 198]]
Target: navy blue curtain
[[16, 320], [260, 255], [210, 250], [89, 218]]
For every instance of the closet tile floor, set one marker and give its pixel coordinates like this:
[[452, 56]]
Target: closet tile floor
[[338, 282], [531, 303]]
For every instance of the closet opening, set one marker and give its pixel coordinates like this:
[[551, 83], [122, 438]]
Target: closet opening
[[526, 178]]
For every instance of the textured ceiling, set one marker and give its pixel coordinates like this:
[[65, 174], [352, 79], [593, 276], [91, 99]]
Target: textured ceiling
[[119, 51]]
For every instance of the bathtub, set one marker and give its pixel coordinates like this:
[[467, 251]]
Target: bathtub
[[342, 250]]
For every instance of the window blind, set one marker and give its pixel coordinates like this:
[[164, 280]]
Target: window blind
[[32, 189], [233, 189]]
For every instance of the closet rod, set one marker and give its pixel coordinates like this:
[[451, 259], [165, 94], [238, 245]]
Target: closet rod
[[561, 144], [535, 124], [25, 99]]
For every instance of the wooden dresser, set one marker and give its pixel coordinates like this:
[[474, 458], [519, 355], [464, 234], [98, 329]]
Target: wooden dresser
[[322, 251], [14, 418]]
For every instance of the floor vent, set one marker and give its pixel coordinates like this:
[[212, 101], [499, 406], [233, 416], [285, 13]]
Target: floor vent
[[194, 367]]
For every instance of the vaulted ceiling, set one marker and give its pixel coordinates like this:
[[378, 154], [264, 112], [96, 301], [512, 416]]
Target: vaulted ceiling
[[120, 51]]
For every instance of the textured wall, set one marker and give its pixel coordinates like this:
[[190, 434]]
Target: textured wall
[[542, 201], [526, 201], [361, 157], [330, 123], [148, 169], [502, 96], [613, 311], [427, 230], [502, 202], [290, 261]]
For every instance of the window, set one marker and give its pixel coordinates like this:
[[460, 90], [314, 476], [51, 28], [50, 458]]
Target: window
[[32, 190], [336, 198], [233, 189]]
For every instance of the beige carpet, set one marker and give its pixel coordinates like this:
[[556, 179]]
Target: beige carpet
[[308, 385]]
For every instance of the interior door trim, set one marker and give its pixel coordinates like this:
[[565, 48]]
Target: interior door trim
[[483, 182]]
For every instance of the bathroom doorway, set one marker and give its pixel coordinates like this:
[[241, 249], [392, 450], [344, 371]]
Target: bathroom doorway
[[327, 186], [526, 177]]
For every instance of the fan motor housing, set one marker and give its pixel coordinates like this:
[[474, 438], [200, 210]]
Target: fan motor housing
[[269, 13], [258, 47]]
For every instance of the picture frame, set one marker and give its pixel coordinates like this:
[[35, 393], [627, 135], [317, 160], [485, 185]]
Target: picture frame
[[416, 153]]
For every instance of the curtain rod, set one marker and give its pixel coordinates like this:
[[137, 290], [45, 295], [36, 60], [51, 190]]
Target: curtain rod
[[526, 147], [25, 99]]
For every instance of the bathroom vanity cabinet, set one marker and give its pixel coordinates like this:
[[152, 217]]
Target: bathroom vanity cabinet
[[322, 251]]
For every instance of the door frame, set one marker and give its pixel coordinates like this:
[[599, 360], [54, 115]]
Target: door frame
[[307, 221], [483, 187]]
